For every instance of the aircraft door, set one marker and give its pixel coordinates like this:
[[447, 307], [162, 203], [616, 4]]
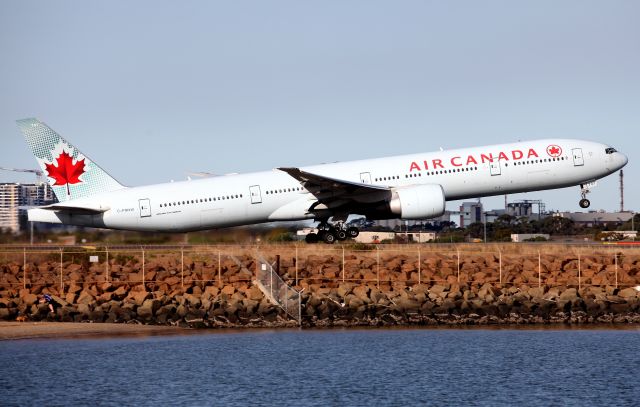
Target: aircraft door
[[365, 177], [578, 158], [495, 168], [256, 196], [145, 208]]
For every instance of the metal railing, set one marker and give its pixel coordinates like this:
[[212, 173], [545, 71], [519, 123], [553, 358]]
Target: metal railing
[[278, 292]]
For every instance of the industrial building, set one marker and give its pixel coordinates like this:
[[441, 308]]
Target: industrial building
[[597, 218]]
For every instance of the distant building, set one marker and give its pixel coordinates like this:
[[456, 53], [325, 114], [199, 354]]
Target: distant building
[[374, 237], [420, 237], [14, 195], [493, 215], [523, 237], [520, 209], [600, 218], [470, 212]]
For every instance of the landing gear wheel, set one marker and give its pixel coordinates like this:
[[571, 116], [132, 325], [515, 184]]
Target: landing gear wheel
[[341, 234], [353, 232], [585, 203], [329, 238], [311, 238]]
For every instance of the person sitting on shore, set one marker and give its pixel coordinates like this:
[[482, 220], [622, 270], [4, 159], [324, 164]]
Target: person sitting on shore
[[49, 300]]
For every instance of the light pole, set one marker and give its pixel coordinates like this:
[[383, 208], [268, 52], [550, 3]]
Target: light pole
[[484, 223]]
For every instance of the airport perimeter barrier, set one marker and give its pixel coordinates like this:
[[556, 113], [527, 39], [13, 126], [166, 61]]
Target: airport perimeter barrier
[[278, 291], [303, 265]]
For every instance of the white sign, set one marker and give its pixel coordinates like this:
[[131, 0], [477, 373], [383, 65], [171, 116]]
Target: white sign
[[93, 259]]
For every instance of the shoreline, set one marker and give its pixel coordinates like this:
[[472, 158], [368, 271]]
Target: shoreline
[[60, 330], [12, 331]]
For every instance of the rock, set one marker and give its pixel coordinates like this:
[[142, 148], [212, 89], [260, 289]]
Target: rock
[[438, 291], [148, 308], [362, 293], [59, 300], [228, 290], [120, 293], [173, 280], [344, 289], [106, 297], [536, 292], [84, 310], [212, 291], [138, 297], [85, 298], [104, 287], [254, 294], [5, 314], [570, 294], [628, 293], [28, 298], [193, 301]]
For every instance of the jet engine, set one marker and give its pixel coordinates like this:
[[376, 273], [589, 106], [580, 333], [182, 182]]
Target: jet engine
[[418, 202]]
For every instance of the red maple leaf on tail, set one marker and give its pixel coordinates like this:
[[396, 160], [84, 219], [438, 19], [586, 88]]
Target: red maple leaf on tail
[[66, 172]]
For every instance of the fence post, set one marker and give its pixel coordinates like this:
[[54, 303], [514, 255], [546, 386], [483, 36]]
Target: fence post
[[24, 267], [343, 264], [539, 269], [616, 263], [219, 269], [61, 284], [419, 267], [143, 282], [107, 255], [378, 265], [182, 267], [500, 264], [458, 251], [296, 265], [300, 308]]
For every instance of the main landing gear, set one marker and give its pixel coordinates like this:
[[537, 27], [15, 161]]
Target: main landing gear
[[330, 233], [584, 190]]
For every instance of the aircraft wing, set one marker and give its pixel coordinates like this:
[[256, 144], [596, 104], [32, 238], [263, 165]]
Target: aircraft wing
[[334, 192]]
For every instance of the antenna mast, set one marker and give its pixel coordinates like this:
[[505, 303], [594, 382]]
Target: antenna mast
[[621, 191]]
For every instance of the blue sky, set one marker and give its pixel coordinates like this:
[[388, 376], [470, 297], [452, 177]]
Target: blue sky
[[154, 90]]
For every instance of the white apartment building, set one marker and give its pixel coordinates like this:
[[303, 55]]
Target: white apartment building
[[14, 195]]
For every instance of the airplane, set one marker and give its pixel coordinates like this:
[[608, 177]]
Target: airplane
[[413, 187]]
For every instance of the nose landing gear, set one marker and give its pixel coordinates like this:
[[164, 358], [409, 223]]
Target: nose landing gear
[[584, 190], [585, 203]]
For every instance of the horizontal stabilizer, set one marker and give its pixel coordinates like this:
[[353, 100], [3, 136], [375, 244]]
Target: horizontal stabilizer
[[79, 209]]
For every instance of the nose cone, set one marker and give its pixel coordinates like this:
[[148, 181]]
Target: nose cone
[[622, 159]]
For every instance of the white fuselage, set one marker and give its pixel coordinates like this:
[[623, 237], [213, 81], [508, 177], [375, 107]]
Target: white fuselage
[[274, 195]]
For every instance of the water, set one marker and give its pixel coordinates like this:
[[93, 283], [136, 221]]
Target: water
[[317, 368]]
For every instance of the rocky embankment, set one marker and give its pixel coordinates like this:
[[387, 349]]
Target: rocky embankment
[[363, 293]]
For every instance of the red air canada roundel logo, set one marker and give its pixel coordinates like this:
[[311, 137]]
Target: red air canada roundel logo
[[554, 151]]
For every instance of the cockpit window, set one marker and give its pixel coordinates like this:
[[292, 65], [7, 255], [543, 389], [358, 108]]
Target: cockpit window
[[610, 150]]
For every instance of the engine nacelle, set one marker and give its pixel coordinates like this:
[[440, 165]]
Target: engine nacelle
[[418, 202]]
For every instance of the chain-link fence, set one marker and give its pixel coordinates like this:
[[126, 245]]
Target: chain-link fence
[[173, 268], [277, 290]]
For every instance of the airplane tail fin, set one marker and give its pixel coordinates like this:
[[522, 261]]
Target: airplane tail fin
[[70, 173]]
